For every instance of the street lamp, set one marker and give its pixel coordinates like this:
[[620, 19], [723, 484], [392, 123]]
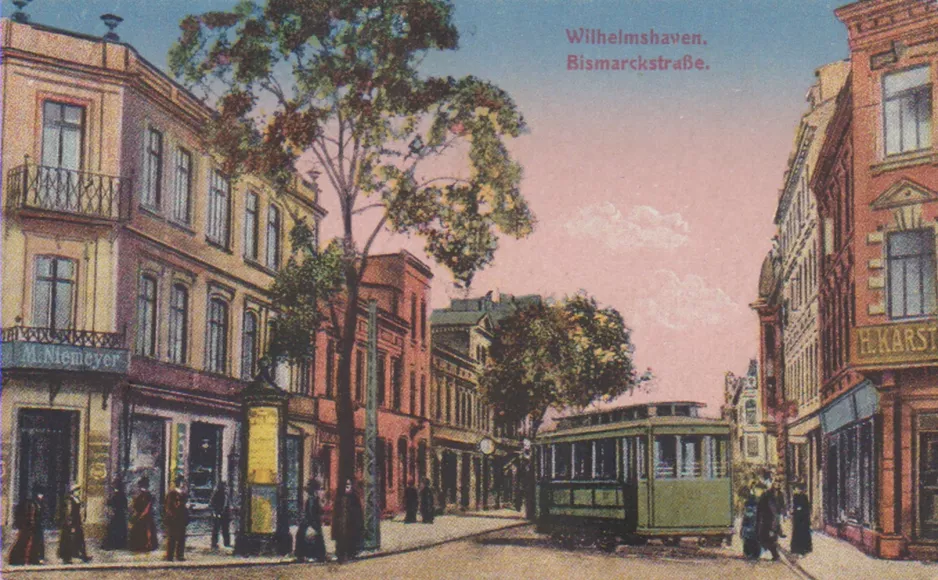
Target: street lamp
[[263, 434]]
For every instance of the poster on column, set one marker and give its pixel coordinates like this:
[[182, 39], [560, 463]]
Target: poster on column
[[656, 288]]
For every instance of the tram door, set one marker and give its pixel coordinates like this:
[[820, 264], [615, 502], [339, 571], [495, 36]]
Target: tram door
[[48, 453], [928, 485]]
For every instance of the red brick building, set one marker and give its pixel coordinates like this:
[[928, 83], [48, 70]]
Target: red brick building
[[877, 188]]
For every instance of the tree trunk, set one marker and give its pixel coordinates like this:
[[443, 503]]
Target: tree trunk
[[345, 414], [530, 475]]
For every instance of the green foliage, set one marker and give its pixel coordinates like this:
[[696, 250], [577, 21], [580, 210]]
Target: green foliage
[[560, 355], [339, 80]]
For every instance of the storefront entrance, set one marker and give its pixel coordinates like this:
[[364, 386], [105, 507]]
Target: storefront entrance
[[204, 461], [147, 458], [928, 485], [48, 456]]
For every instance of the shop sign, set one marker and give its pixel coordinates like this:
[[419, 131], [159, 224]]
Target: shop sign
[[908, 342], [33, 355]]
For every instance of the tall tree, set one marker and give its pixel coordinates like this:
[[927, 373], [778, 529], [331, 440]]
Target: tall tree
[[562, 355], [337, 83]]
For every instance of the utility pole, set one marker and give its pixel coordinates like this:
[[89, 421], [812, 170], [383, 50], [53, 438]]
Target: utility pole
[[372, 536]]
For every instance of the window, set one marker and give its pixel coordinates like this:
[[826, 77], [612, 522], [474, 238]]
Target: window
[[907, 110], [146, 316], [752, 445], [911, 273], [413, 317], [605, 459], [53, 293], [182, 190], [562, 456], [250, 226], [665, 457], [359, 375], [382, 377], [423, 395], [750, 412], [217, 348], [330, 369], [397, 379], [219, 201], [249, 345], [62, 131], [153, 170], [178, 324], [412, 409], [583, 460], [423, 322], [273, 237], [692, 457]]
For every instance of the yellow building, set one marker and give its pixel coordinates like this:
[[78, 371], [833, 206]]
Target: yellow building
[[134, 278]]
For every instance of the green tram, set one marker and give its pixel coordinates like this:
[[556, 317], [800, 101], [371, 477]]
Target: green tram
[[645, 471]]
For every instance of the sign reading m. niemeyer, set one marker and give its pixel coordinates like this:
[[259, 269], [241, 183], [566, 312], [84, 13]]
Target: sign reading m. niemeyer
[[64, 357]]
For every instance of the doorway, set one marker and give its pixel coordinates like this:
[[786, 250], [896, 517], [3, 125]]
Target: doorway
[[48, 457], [928, 485], [205, 442], [147, 459]]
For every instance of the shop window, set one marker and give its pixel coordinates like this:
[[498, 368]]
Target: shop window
[[907, 110]]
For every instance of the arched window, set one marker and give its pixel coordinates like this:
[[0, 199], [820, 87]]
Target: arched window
[[249, 345], [179, 324], [146, 316], [217, 347]]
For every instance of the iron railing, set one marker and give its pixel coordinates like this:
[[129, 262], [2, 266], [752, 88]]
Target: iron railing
[[69, 191], [70, 337]]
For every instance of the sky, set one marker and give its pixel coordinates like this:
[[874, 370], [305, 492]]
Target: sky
[[654, 191]]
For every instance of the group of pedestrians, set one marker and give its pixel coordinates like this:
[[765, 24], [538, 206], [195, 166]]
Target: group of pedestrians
[[761, 525], [422, 501]]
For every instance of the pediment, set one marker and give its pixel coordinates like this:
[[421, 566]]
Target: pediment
[[904, 192]]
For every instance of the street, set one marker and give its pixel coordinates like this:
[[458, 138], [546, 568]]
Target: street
[[514, 553]]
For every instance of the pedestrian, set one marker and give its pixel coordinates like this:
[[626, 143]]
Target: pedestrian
[[747, 529], [142, 521], [116, 537], [221, 515], [283, 536], [426, 502], [801, 522], [72, 536], [347, 523], [30, 544], [310, 544], [411, 503], [176, 518], [768, 523]]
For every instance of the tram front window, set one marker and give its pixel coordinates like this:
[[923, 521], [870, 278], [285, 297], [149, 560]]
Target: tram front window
[[562, 462], [583, 460], [691, 457], [665, 457]]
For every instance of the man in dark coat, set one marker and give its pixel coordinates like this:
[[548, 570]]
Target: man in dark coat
[[72, 536], [142, 522], [426, 502], [411, 503], [30, 544], [221, 515], [768, 521], [176, 518], [116, 538], [800, 522], [310, 544], [347, 522]]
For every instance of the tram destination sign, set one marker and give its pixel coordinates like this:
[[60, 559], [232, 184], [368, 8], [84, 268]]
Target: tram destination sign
[[908, 342], [32, 355]]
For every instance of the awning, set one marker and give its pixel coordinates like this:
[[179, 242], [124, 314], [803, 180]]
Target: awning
[[858, 403]]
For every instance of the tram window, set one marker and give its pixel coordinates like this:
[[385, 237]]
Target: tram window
[[562, 460], [665, 457], [583, 460], [605, 459], [665, 410], [641, 458], [720, 463], [692, 457], [682, 410]]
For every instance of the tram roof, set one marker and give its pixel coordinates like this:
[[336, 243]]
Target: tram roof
[[659, 413]]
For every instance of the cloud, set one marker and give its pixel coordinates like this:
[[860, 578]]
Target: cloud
[[644, 227], [679, 303]]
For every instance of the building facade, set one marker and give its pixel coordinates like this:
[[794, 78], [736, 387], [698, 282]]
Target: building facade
[[754, 446], [876, 181]]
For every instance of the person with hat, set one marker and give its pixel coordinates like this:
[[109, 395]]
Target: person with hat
[[30, 544], [176, 518], [427, 511], [72, 537], [116, 538], [800, 521], [221, 515], [310, 543], [142, 523]]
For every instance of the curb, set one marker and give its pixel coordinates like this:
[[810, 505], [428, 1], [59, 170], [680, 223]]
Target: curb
[[237, 562]]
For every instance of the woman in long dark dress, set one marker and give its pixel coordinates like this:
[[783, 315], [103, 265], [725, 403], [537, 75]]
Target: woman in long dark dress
[[801, 522], [30, 544], [347, 523], [747, 530], [72, 536], [426, 502], [142, 523], [116, 538], [310, 544]]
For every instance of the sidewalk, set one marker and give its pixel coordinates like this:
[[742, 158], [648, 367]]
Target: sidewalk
[[833, 559], [396, 537]]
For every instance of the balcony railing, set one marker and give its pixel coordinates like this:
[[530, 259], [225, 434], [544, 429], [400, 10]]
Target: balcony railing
[[87, 338], [69, 191]]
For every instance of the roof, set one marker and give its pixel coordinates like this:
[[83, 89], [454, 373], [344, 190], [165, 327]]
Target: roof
[[455, 318]]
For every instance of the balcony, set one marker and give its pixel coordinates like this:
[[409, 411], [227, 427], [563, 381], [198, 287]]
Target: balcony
[[27, 347], [55, 189]]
